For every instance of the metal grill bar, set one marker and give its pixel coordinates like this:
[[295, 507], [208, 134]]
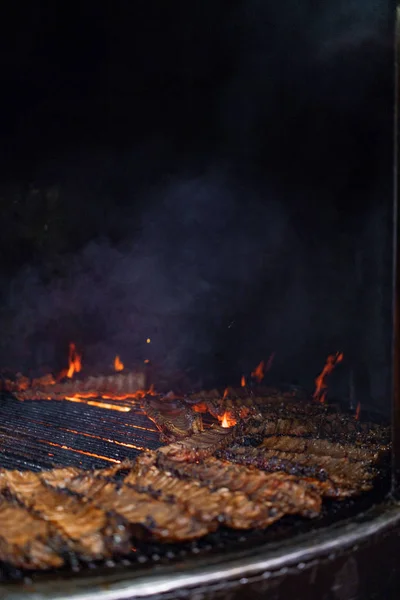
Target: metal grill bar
[[44, 434]]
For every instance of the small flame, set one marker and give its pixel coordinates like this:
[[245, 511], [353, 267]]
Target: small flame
[[321, 386], [258, 372], [227, 420], [118, 364], [148, 341], [243, 381], [226, 392], [358, 411], [74, 361]]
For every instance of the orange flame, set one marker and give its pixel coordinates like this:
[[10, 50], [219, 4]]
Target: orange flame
[[226, 392], [321, 386], [358, 411], [243, 381], [258, 372], [74, 361], [227, 420], [118, 364]]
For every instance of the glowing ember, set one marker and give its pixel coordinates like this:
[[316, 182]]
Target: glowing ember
[[243, 381], [64, 447], [258, 373], [118, 365], [321, 386], [99, 404], [227, 420], [74, 361], [226, 392], [148, 341]]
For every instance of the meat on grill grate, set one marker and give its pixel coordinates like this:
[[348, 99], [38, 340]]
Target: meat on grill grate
[[88, 531], [146, 516], [281, 458], [201, 445], [26, 540], [279, 489], [172, 417]]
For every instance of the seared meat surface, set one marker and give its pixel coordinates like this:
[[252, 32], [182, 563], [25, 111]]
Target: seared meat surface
[[26, 540], [172, 417], [87, 529]]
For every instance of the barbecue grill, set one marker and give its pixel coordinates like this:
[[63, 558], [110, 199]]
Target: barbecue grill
[[351, 551]]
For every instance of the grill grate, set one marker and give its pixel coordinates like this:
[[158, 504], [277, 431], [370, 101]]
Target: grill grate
[[44, 434]]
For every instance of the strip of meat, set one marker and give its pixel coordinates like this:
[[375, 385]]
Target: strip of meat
[[264, 426], [26, 541], [234, 509], [349, 477], [286, 492], [148, 517], [322, 447], [118, 386], [172, 417], [61, 474], [201, 445], [89, 531], [335, 427]]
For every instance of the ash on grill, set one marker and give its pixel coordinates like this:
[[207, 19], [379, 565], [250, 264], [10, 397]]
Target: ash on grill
[[283, 457]]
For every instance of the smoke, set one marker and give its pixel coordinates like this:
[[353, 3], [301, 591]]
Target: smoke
[[198, 251]]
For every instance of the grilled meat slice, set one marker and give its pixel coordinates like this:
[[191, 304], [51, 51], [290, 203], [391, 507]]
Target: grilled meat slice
[[240, 402], [130, 385], [59, 474], [172, 417], [146, 516], [287, 493], [333, 426], [321, 447], [349, 478], [26, 541], [200, 445], [88, 530], [220, 505], [259, 427]]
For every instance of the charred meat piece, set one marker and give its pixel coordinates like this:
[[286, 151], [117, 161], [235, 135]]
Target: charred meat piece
[[349, 477], [58, 474], [26, 541], [118, 386], [333, 426], [287, 493], [220, 505], [146, 516], [200, 445], [240, 402], [265, 425], [88, 530], [172, 417], [321, 447]]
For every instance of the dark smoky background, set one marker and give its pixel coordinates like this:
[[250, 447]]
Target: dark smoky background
[[213, 176]]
